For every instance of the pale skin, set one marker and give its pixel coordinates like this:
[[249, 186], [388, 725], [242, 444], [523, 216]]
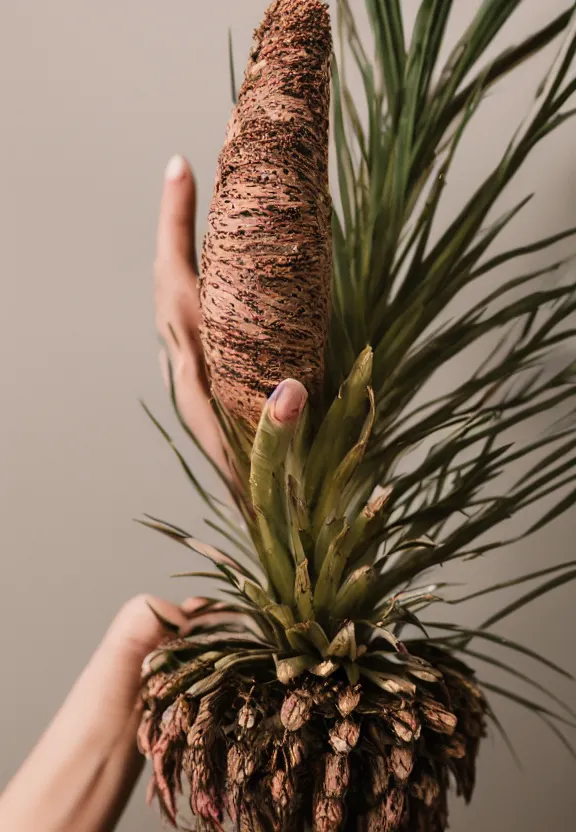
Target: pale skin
[[82, 771]]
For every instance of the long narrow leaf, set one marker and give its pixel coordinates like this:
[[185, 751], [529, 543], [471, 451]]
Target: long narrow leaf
[[496, 639], [522, 676], [559, 580], [535, 707]]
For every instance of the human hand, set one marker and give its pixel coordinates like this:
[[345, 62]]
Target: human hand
[[81, 773], [178, 314]]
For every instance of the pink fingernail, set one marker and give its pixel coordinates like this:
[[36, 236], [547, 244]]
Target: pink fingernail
[[287, 401], [176, 168]]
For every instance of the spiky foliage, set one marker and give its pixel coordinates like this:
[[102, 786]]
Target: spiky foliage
[[317, 696]]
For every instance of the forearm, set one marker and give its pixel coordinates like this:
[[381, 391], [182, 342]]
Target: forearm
[[61, 788], [80, 774]]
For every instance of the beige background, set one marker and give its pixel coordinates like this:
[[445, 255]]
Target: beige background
[[95, 97]]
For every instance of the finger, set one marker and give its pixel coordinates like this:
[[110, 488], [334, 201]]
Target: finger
[[113, 674], [175, 242], [106, 693], [287, 402], [195, 408], [178, 315], [176, 273], [105, 698]]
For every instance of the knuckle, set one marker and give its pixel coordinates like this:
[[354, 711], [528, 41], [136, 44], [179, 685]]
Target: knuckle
[[137, 602], [135, 628], [133, 610]]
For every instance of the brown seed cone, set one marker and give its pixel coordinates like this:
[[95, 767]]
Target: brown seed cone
[[267, 256], [329, 806], [204, 761], [299, 763], [387, 815]]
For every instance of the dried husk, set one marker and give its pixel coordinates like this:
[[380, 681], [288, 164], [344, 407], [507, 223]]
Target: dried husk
[[268, 757], [267, 256]]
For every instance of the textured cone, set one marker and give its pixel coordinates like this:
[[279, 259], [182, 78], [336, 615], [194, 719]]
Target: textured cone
[[296, 762], [266, 262]]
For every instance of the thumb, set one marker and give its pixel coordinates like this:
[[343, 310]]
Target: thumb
[[287, 402]]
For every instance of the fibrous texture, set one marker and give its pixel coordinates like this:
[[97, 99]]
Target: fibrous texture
[[318, 754], [266, 264]]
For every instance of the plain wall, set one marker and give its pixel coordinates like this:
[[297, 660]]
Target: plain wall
[[95, 97]]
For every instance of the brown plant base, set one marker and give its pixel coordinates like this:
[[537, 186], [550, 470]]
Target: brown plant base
[[267, 256], [317, 755]]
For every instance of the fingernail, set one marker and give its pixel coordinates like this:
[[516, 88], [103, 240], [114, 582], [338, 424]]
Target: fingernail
[[287, 401], [176, 168]]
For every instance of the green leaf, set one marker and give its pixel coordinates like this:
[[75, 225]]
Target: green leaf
[[184, 425], [233, 88], [367, 528], [531, 576], [256, 595], [535, 707], [470, 634], [511, 58], [522, 251], [214, 576], [168, 625], [335, 495], [389, 682], [343, 645], [501, 730], [308, 634], [351, 594], [427, 37], [408, 545], [248, 657], [331, 572], [527, 679], [333, 529], [352, 672], [387, 25], [341, 427], [204, 549], [543, 589], [232, 538], [289, 669], [282, 613], [208, 499], [268, 488], [343, 155], [303, 595], [558, 733]]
